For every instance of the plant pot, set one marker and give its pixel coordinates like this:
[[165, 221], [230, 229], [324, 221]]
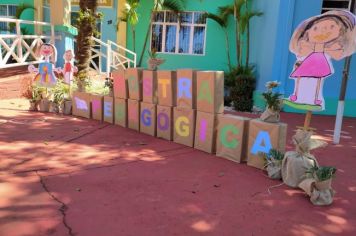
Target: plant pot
[[44, 105], [274, 170], [53, 107], [66, 107], [323, 185], [33, 106], [153, 63], [270, 116]]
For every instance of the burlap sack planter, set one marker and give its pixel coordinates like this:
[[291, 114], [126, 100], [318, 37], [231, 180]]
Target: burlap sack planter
[[97, 106], [210, 91], [164, 122], [134, 80], [166, 87], [186, 88], [231, 140], [205, 132], [270, 116], [274, 169], [149, 86], [133, 117], [108, 109], [44, 105], [148, 118], [184, 126], [321, 193], [66, 107], [121, 112], [81, 104], [121, 89], [263, 137]]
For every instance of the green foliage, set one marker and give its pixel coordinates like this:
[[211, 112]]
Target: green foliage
[[19, 10], [130, 15], [273, 100], [60, 92], [98, 87], [33, 93], [321, 173]]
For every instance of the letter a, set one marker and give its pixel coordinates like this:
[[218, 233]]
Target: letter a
[[262, 143]]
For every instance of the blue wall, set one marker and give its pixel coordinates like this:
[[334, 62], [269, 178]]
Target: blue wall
[[275, 62]]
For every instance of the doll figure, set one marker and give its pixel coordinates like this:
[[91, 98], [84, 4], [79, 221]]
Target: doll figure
[[45, 73], [68, 68], [315, 42]]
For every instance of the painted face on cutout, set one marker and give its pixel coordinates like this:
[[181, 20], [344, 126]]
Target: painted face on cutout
[[46, 50], [324, 31], [68, 55]]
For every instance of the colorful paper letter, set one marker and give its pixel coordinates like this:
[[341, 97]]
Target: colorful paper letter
[[107, 109], [162, 125], [205, 92], [182, 126], [262, 143], [81, 104], [203, 128], [184, 85], [164, 83], [223, 136], [146, 117]]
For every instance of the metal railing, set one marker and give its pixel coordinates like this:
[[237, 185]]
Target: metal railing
[[16, 48]]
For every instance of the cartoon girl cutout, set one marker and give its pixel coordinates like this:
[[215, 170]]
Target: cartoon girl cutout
[[315, 42], [68, 68], [45, 73]]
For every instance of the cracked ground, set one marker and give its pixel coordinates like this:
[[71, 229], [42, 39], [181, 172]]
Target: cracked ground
[[61, 175]]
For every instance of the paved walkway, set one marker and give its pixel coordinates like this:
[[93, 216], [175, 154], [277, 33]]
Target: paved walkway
[[63, 175]]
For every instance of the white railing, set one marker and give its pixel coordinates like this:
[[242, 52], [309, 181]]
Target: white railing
[[17, 49]]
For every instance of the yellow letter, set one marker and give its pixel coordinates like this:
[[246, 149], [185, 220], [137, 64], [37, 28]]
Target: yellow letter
[[164, 83], [182, 126]]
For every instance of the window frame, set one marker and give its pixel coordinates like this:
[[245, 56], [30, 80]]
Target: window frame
[[8, 16], [325, 9], [192, 26]]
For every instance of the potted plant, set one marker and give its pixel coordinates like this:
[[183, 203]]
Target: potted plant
[[153, 61], [274, 103], [33, 94], [273, 165], [58, 96], [109, 83], [323, 176]]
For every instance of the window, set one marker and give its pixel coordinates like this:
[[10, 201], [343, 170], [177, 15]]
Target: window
[[7, 11], [178, 34], [46, 11], [336, 5]]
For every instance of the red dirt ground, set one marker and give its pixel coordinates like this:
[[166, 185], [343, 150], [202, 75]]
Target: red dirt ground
[[63, 175]]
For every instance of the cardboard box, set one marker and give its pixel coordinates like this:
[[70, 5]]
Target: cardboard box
[[134, 80], [121, 89], [186, 88], [121, 112], [97, 107], [149, 85], [232, 135], [166, 88], [81, 104], [205, 132], [108, 108], [165, 122], [264, 136], [184, 126], [148, 118], [210, 91], [133, 110]]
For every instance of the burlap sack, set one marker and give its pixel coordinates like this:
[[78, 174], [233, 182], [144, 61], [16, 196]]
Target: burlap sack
[[186, 88], [184, 126], [165, 122], [97, 106], [262, 138], [296, 163], [232, 135], [274, 169], [148, 118], [121, 89], [205, 132], [149, 86], [321, 193], [133, 114], [81, 104], [134, 80], [270, 116], [108, 109], [210, 91], [166, 90], [121, 112]]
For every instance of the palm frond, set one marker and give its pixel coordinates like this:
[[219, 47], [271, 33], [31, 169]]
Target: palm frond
[[172, 5], [226, 11], [246, 17], [217, 18]]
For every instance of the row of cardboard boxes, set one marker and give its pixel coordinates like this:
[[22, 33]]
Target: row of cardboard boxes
[[233, 137], [200, 90]]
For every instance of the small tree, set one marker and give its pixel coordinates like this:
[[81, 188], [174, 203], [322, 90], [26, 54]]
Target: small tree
[[130, 16], [86, 24]]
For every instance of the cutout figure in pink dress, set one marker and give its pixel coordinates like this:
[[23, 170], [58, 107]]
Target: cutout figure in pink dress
[[315, 42]]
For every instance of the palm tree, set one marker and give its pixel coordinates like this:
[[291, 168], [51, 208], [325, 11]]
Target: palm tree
[[158, 5], [222, 20], [130, 15], [86, 24]]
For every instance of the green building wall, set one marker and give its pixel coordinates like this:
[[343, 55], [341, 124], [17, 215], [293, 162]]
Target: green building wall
[[215, 51]]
